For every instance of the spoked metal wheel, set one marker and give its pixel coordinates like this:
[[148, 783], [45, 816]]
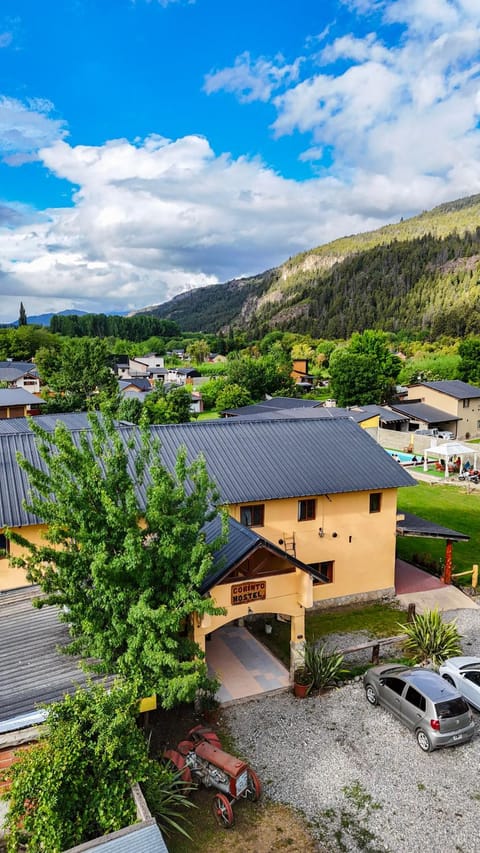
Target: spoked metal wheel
[[423, 741], [222, 810], [371, 695], [254, 787]]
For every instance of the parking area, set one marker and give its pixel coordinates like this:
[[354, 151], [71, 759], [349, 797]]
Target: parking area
[[358, 774]]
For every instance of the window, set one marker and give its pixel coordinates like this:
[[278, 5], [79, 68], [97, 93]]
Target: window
[[395, 684], [375, 501], [326, 569], [4, 545], [306, 509], [474, 677], [252, 516], [466, 404], [416, 699]]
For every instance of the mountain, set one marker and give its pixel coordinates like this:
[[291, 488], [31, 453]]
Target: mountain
[[44, 319], [421, 274]]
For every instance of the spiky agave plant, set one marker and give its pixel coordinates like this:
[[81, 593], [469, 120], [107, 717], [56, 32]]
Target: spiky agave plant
[[432, 640], [325, 666]]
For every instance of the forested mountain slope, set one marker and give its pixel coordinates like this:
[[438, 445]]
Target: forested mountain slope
[[419, 274]]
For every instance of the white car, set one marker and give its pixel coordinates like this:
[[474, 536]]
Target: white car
[[464, 674]]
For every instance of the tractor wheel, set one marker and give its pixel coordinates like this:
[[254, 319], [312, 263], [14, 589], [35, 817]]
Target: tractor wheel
[[222, 810], [178, 761], [254, 787]]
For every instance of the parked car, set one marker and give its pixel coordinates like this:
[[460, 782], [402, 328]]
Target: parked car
[[464, 674], [436, 433], [423, 701]]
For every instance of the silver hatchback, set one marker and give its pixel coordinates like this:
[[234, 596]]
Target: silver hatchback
[[424, 701]]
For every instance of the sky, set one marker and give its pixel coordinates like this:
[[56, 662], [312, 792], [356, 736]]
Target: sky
[[151, 146]]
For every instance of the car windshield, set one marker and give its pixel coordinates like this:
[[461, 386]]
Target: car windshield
[[451, 708]]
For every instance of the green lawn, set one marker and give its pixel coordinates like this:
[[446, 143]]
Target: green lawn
[[451, 506]]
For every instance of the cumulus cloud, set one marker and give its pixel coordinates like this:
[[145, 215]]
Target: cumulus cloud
[[252, 80], [154, 218], [25, 127]]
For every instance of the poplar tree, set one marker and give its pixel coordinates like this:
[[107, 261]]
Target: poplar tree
[[125, 553], [22, 317]]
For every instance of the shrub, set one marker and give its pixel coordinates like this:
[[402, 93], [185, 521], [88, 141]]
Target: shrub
[[325, 666], [431, 639]]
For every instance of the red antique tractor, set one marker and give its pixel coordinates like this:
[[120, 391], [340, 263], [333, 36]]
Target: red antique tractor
[[202, 760]]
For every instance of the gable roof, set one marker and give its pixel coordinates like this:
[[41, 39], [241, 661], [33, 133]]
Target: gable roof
[[241, 542], [454, 388], [72, 420], [274, 404], [10, 371]]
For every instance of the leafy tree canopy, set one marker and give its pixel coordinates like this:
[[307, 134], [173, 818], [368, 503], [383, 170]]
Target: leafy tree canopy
[[77, 370], [232, 397], [259, 376], [125, 554], [469, 367]]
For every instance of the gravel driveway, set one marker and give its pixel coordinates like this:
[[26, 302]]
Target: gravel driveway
[[358, 774]]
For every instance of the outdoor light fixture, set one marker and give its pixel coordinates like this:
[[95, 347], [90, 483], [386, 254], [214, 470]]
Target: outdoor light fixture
[[321, 532], [334, 535]]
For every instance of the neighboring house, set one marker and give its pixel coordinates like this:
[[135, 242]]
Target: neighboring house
[[292, 408], [182, 375], [20, 374], [302, 378], [196, 406], [313, 507], [216, 358], [17, 403], [121, 366], [145, 363], [141, 384], [459, 401], [422, 416]]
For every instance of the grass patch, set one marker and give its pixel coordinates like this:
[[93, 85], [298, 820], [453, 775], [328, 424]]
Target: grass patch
[[448, 505], [379, 619], [206, 416]]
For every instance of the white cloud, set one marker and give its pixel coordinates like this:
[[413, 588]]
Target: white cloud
[[156, 218], [26, 127], [252, 81], [6, 39]]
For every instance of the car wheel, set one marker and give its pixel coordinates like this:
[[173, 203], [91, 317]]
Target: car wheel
[[424, 741], [371, 694], [449, 679]]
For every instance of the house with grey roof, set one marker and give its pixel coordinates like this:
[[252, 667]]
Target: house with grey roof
[[457, 401], [20, 374], [18, 403]]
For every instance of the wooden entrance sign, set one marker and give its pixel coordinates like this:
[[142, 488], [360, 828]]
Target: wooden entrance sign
[[242, 593]]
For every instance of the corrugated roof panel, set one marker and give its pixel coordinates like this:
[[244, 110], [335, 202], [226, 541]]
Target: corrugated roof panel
[[141, 838], [454, 388], [248, 460], [423, 412]]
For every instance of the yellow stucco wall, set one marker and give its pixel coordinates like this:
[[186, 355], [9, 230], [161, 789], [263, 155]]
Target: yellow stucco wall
[[363, 550], [11, 578]]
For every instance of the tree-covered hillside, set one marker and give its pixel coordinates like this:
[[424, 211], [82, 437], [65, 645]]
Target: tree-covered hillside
[[421, 274]]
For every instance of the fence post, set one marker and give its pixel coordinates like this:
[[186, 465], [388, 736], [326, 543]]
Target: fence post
[[375, 654], [474, 576], [411, 612]]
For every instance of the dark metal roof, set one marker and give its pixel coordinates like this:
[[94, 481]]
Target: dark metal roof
[[21, 366], [19, 397], [385, 414], [422, 412], [247, 460], [32, 671], [140, 382], [413, 525], [454, 388], [142, 837], [275, 403], [72, 420], [241, 542]]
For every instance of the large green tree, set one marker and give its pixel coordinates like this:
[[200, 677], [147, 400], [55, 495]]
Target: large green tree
[[78, 370], [469, 367], [125, 553], [268, 374], [364, 372]]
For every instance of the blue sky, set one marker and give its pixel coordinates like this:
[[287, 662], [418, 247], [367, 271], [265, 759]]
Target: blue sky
[[148, 147]]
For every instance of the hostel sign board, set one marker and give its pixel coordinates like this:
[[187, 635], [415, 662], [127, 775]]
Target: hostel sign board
[[242, 593]]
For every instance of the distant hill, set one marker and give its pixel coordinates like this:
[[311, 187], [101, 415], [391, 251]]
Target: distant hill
[[44, 319], [421, 274]]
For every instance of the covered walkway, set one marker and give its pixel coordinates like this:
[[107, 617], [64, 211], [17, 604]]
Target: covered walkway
[[243, 665]]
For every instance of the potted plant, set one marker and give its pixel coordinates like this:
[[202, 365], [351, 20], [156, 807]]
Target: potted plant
[[302, 682]]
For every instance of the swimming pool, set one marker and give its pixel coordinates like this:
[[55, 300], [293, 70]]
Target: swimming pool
[[405, 458]]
